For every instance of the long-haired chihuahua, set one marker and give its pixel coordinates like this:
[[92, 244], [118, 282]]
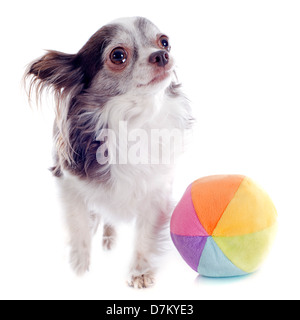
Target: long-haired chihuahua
[[119, 125]]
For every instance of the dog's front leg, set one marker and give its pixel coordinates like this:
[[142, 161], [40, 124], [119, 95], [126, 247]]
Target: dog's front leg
[[81, 225], [150, 235]]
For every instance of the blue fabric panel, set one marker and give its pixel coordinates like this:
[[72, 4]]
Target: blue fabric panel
[[213, 262]]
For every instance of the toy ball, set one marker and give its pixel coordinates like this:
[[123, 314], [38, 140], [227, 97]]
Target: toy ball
[[224, 226]]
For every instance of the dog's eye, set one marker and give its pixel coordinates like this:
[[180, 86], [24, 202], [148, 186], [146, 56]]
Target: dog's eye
[[164, 43], [118, 56]]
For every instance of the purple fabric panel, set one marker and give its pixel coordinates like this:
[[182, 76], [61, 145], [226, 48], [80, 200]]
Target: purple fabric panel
[[190, 248]]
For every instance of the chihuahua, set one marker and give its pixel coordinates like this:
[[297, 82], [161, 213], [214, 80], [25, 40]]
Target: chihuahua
[[120, 123]]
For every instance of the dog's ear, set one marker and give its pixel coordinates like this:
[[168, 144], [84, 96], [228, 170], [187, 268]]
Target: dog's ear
[[55, 70], [65, 72]]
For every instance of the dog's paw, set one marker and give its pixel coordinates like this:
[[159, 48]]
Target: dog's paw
[[80, 260], [142, 281]]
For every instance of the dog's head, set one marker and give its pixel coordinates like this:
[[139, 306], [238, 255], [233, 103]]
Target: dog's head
[[125, 55], [137, 56]]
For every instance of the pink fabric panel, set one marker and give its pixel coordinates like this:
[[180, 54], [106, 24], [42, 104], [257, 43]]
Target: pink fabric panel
[[185, 221]]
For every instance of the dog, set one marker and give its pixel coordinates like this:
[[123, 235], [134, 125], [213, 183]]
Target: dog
[[117, 100]]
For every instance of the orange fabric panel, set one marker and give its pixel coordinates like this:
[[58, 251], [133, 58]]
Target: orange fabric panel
[[211, 196]]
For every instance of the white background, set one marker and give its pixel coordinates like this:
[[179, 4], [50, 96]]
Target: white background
[[239, 62]]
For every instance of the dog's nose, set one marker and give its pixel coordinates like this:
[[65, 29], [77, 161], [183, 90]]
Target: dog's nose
[[160, 58]]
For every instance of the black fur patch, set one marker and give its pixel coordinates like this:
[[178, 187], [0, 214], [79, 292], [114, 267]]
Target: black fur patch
[[71, 75]]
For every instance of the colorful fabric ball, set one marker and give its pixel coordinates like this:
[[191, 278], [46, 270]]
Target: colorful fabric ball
[[224, 226]]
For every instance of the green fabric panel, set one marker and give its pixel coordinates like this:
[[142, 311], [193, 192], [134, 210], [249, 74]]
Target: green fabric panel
[[247, 252]]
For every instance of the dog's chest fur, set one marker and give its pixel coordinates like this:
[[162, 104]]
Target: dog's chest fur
[[132, 187]]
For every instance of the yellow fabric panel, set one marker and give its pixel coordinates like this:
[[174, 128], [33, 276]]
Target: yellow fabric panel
[[249, 211]]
